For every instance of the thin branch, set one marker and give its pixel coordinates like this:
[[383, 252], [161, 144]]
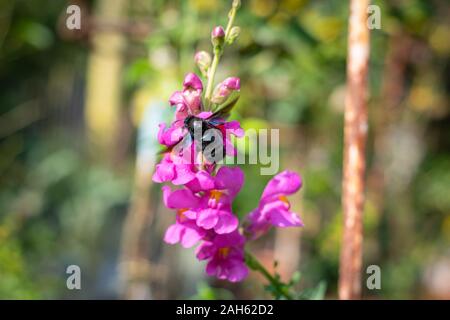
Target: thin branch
[[355, 134], [279, 287]]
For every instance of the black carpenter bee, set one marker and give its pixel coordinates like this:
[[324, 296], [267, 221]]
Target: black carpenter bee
[[205, 131]]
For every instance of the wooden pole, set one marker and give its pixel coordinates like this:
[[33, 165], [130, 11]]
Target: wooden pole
[[355, 134]]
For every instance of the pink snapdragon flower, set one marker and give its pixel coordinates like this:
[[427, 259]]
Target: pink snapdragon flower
[[273, 209], [225, 255], [211, 208], [172, 135], [189, 100], [180, 171], [215, 212], [185, 229], [172, 169]]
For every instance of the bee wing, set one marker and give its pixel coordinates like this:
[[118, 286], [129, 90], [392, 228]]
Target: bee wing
[[217, 121]]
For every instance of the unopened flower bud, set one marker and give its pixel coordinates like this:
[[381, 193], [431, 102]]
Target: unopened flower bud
[[223, 90], [203, 61], [236, 4], [234, 33], [217, 36], [233, 83]]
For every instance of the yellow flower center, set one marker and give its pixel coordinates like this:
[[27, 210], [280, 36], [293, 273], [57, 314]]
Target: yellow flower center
[[216, 195], [284, 199], [223, 252], [180, 214]]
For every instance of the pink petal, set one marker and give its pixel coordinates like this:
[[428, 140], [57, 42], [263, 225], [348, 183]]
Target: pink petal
[[211, 267], [176, 98], [227, 223], [238, 271], [190, 214], [166, 193], [173, 233], [202, 182], [229, 178], [284, 219], [192, 81], [161, 130], [184, 174], [164, 172], [234, 127], [205, 250], [204, 114], [181, 113], [172, 135], [229, 239], [190, 237], [286, 182], [232, 83], [230, 150], [193, 100], [182, 199], [207, 218]]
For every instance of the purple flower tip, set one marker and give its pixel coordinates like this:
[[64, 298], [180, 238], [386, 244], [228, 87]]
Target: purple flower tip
[[192, 81], [232, 83], [218, 32]]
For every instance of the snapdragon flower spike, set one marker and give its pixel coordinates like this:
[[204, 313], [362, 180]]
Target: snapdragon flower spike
[[188, 101], [225, 255], [273, 209]]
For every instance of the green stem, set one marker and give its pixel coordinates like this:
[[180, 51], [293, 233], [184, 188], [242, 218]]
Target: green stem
[[212, 74], [255, 265], [231, 16], [217, 54]]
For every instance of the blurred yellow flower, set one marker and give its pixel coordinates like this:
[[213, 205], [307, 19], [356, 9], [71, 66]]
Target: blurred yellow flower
[[262, 8], [439, 39]]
